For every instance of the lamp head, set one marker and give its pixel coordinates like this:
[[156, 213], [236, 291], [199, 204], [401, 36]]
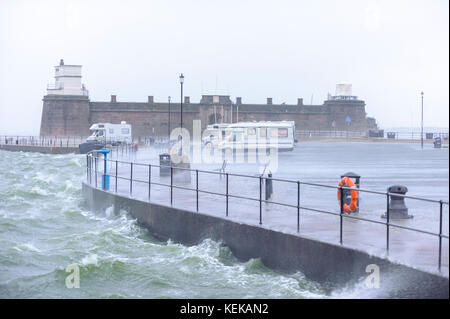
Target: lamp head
[[181, 78]]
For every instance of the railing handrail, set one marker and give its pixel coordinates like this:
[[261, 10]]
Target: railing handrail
[[341, 214], [44, 141], [283, 180]]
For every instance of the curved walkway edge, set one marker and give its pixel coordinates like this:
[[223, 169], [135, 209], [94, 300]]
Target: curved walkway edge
[[319, 261]]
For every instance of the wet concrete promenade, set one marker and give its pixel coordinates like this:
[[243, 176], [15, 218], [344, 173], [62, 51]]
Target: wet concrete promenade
[[304, 164]]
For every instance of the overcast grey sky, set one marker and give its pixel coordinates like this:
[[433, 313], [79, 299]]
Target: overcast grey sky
[[389, 50]]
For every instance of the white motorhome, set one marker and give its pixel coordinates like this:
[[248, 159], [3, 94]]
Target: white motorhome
[[250, 135], [111, 133], [214, 133]]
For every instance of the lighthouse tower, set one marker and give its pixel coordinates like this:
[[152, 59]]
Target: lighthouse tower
[[67, 81], [66, 106]]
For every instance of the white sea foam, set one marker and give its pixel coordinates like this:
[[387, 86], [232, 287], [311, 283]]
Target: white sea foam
[[27, 247], [68, 185], [39, 191], [91, 259], [109, 212], [75, 161], [43, 177]]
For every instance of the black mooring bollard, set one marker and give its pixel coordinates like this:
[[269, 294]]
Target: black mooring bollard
[[269, 187], [437, 142], [397, 207], [164, 164]]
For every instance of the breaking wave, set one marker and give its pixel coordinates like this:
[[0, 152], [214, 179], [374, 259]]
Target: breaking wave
[[44, 228]]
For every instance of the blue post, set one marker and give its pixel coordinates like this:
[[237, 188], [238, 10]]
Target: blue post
[[105, 177]]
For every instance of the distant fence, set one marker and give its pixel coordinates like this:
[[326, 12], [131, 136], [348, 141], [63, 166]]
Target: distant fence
[[74, 141], [381, 134], [43, 141], [415, 135], [67, 141], [329, 134]]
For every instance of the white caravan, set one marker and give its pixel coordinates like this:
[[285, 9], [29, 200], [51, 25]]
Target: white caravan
[[111, 133], [214, 133], [250, 135]]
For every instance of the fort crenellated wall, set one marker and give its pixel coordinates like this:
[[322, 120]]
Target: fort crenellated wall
[[73, 115]]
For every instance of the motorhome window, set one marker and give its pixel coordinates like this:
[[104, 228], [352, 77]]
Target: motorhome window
[[101, 125], [99, 133], [111, 131], [237, 137], [125, 131], [262, 132], [251, 131], [278, 132], [282, 132]]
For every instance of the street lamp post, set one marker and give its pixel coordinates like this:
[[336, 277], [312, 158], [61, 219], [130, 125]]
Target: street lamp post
[[168, 123], [421, 132], [181, 82]]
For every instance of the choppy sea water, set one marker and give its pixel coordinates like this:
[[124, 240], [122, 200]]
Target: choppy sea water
[[44, 228]]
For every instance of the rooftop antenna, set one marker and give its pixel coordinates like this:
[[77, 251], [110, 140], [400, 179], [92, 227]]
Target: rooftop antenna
[[312, 98]]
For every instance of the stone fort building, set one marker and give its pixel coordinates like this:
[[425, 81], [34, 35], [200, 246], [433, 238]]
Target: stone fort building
[[67, 110]]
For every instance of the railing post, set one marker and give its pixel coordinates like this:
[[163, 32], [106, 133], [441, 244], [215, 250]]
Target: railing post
[[387, 223], [440, 235], [90, 169], [226, 211], [341, 191], [131, 179], [116, 176], [87, 168], [260, 200], [96, 172], [196, 186], [298, 206], [149, 180], [171, 185]]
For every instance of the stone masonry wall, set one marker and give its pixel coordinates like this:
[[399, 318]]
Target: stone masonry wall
[[74, 115], [65, 116]]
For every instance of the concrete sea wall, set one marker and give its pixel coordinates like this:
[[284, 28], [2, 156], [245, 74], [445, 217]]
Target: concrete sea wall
[[40, 149], [323, 262]]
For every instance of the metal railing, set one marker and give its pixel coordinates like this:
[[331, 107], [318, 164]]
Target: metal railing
[[92, 164], [306, 134], [44, 141], [55, 87], [396, 135]]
